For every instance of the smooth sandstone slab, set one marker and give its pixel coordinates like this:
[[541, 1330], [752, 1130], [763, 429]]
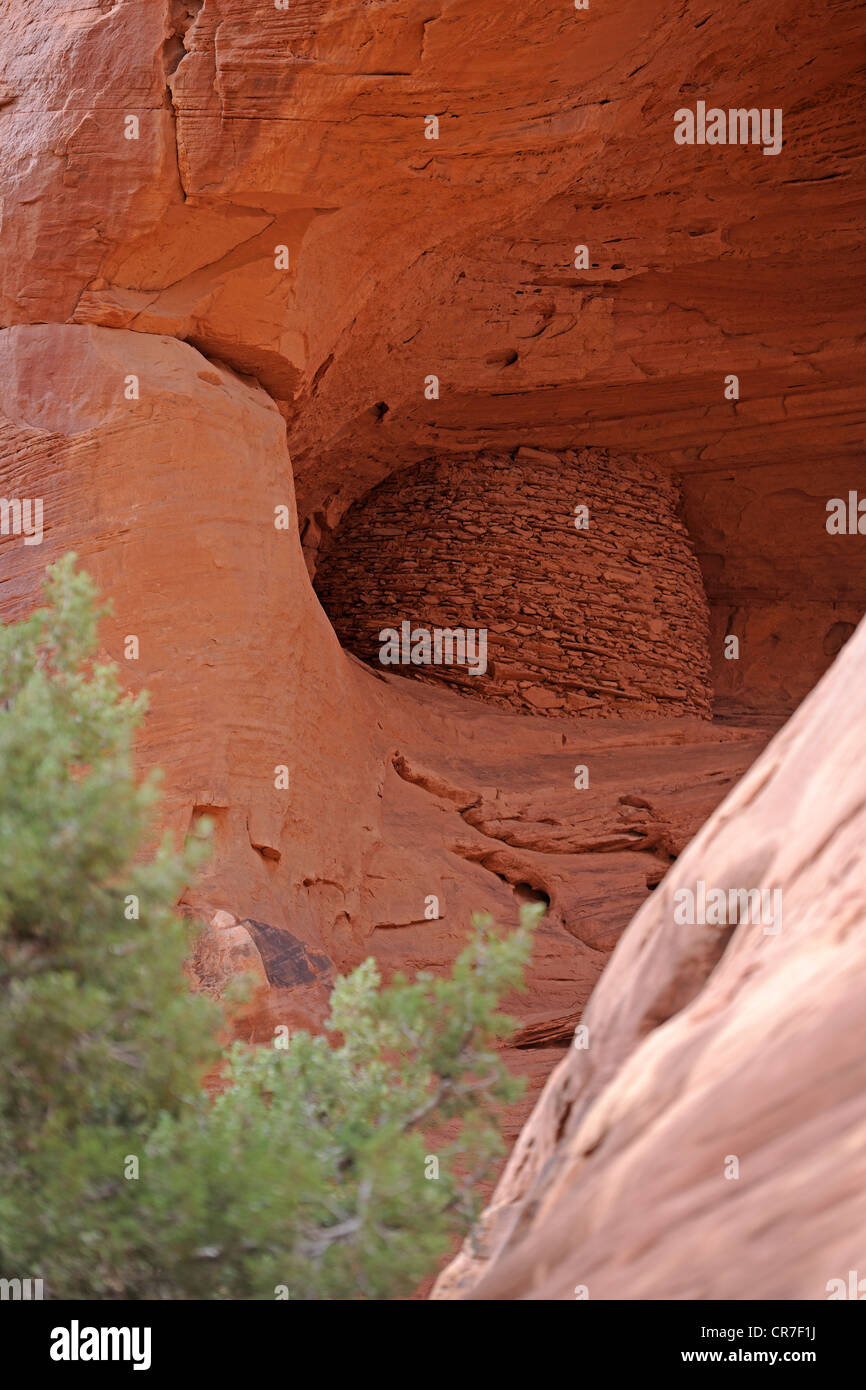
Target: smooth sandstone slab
[[707, 1045]]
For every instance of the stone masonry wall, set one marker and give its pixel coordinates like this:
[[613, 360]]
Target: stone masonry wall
[[610, 618]]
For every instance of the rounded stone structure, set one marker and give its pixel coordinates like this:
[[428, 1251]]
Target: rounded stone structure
[[539, 581]]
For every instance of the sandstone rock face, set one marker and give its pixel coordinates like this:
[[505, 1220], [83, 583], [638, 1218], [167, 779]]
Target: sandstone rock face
[[282, 209], [710, 1141], [575, 567], [174, 501], [341, 800], [232, 266]]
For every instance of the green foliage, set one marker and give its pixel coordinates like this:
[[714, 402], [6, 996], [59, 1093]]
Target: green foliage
[[310, 1170]]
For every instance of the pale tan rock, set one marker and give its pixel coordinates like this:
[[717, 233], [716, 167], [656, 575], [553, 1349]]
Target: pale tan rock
[[222, 919], [709, 1045], [225, 953]]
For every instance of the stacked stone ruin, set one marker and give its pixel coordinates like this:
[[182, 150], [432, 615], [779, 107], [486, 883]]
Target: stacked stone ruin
[[600, 611]]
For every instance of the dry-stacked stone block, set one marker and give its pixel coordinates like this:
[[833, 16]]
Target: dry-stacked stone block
[[608, 619]]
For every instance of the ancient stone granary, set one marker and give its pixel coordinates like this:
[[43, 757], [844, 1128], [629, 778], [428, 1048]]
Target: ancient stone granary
[[576, 567]]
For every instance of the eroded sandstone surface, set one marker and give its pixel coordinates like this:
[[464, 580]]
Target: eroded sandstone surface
[[709, 1141], [392, 792]]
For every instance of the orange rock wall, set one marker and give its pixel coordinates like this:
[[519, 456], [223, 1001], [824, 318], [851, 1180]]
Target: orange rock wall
[[303, 130], [238, 207]]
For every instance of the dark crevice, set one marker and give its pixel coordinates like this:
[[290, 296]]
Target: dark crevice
[[320, 372], [526, 893], [180, 18]]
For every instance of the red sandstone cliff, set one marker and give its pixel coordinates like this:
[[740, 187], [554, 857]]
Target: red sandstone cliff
[[230, 320], [304, 129]]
